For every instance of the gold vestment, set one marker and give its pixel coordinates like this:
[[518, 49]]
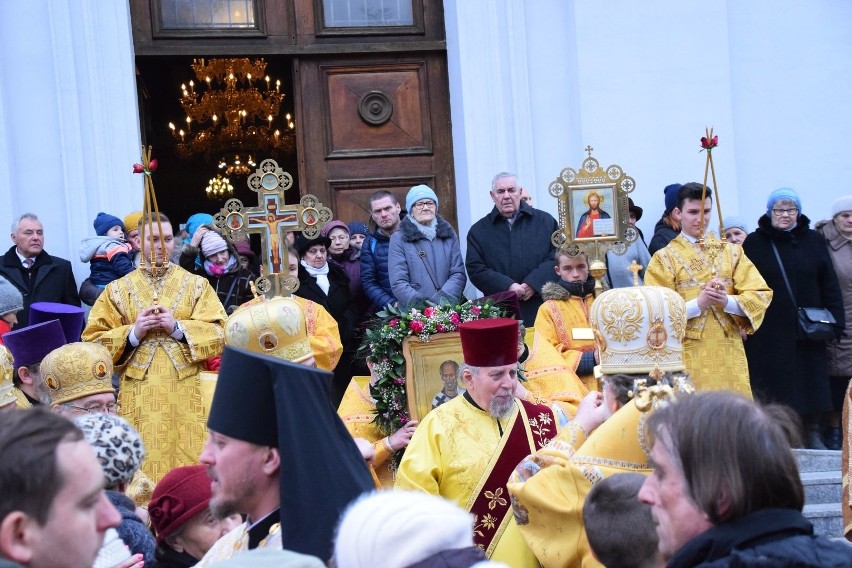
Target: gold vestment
[[160, 392], [713, 349]]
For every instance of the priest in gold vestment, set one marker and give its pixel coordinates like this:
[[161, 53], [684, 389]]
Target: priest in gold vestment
[[465, 449], [159, 331], [640, 332], [724, 292]]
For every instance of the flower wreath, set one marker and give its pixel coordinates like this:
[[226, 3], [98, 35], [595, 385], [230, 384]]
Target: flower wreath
[[382, 344]]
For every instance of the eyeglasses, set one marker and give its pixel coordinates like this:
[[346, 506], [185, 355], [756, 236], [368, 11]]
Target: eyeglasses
[[791, 212], [111, 408], [424, 204]]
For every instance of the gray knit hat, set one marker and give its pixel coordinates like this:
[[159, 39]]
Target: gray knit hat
[[10, 298], [842, 204]]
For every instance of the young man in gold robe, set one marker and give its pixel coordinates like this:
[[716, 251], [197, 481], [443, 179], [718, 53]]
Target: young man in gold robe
[[465, 449], [724, 292], [160, 323]]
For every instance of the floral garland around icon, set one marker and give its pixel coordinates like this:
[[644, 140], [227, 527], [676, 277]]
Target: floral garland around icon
[[382, 345]]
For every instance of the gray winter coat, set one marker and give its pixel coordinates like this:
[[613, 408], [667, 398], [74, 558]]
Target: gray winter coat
[[840, 250], [410, 254]]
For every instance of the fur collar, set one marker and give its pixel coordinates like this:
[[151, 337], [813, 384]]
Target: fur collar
[[555, 291], [410, 234]]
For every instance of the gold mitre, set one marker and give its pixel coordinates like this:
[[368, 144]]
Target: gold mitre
[[273, 327], [76, 370], [7, 372], [639, 330]]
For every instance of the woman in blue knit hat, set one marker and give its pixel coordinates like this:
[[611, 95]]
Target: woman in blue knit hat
[[783, 367], [424, 261]]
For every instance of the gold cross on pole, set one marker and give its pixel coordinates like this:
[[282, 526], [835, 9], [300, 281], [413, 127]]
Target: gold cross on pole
[[272, 219], [635, 267]]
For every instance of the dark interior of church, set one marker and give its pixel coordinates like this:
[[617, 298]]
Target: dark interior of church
[[181, 182]]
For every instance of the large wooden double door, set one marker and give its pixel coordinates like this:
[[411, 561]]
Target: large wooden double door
[[371, 102]]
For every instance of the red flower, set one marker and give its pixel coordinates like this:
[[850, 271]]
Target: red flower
[[152, 166], [476, 310], [455, 319], [416, 326], [440, 328], [429, 312], [138, 169], [709, 144], [393, 323]]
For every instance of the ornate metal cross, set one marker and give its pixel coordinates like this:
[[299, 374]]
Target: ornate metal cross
[[272, 219]]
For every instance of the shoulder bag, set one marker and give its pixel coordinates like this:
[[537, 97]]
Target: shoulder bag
[[814, 324]]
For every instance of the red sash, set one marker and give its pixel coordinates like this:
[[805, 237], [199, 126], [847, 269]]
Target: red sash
[[533, 426]]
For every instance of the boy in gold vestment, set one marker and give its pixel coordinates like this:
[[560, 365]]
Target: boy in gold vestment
[[563, 319], [724, 294], [159, 330]]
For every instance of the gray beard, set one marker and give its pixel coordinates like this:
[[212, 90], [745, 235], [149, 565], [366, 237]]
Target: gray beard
[[499, 409], [42, 392]]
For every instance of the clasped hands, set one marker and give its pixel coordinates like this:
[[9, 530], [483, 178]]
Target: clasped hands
[[523, 290], [713, 294], [153, 318]]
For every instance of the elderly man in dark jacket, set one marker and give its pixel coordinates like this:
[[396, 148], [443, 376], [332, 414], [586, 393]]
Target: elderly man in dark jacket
[[510, 249], [705, 515], [39, 276]]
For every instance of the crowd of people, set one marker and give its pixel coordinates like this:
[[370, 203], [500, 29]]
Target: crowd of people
[[187, 421]]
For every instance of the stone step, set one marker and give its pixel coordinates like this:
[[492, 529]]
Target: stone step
[[822, 487], [817, 460], [826, 518]]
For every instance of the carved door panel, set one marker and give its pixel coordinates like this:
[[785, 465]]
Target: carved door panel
[[374, 122]]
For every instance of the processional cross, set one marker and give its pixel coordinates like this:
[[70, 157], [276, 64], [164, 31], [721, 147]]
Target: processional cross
[[272, 219]]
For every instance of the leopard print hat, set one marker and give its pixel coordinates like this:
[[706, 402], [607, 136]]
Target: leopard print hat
[[116, 444]]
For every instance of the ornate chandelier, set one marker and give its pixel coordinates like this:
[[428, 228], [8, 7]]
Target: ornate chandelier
[[233, 112], [237, 166], [219, 187]]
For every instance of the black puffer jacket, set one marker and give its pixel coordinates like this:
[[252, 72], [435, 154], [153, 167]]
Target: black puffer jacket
[[771, 538]]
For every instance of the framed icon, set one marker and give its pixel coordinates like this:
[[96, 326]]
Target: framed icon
[[427, 370]]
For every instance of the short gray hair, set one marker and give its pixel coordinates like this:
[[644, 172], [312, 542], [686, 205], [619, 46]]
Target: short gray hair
[[502, 175], [17, 222]]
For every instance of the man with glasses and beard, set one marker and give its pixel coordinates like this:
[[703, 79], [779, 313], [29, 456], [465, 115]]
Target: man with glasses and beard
[[465, 449]]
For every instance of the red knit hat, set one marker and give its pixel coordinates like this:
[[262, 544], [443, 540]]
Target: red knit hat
[[490, 342], [183, 493]]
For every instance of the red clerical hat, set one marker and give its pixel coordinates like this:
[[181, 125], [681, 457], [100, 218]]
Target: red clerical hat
[[490, 342]]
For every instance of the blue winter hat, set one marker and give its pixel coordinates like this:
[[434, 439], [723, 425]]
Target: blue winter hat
[[417, 193], [358, 228], [104, 222], [783, 194], [671, 196], [196, 221]]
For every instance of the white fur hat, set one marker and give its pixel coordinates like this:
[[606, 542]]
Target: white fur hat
[[395, 529]]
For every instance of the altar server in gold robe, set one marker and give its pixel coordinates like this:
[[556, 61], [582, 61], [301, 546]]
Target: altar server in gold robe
[[160, 323], [563, 319], [724, 294], [465, 449], [639, 332]]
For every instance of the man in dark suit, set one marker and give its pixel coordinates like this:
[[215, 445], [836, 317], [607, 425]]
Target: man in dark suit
[[39, 276]]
